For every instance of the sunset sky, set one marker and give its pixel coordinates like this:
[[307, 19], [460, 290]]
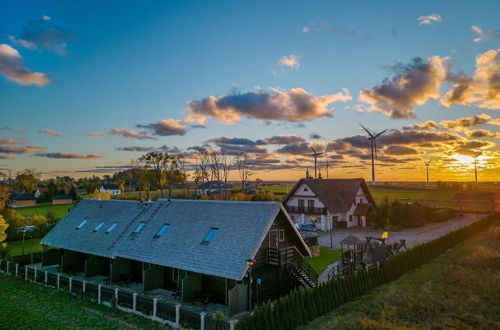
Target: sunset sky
[[86, 86]]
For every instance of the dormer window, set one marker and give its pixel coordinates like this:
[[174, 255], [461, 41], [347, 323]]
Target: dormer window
[[210, 235]]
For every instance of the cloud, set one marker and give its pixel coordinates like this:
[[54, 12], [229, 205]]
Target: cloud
[[135, 148], [20, 150], [484, 35], [396, 150], [430, 124], [482, 89], [294, 105], [12, 67], [7, 141], [173, 150], [495, 122], [231, 141], [167, 127], [68, 155], [414, 84], [122, 132], [465, 123], [291, 61], [7, 157], [281, 139], [50, 132], [94, 134], [482, 133], [349, 31], [315, 136], [430, 19], [43, 33]]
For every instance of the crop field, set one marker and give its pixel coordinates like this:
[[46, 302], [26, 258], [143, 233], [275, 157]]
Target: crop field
[[31, 306], [458, 290], [59, 211], [30, 246]]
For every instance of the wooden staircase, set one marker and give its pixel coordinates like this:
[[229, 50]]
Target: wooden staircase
[[295, 264]]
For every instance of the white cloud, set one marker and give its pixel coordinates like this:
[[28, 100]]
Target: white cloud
[[430, 19], [483, 35], [291, 61], [12, 67]]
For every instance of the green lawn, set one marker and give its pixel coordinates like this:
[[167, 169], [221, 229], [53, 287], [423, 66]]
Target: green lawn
[[60, 211], [458, 290], [326, 257], [30, 245], [31, 306]]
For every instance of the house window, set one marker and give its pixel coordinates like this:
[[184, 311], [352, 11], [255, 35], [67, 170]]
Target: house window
[[350, 218], [281, 235], [361, 201], [111, 228], [210, 236], [81, 224], [310, 204], [139, 227], [99, 226], [305, 189], [162, 230], [301, 204]]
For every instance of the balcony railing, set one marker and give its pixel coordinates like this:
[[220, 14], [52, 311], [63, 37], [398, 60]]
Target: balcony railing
[[306, 210]]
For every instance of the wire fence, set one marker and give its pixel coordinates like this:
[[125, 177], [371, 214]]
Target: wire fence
[[176, 316]]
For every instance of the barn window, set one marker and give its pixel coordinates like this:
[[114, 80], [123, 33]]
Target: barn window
[[111, 228], [281, 235], [210, 235], [81, 224], [162, 230], [99, 226], [139, 227]]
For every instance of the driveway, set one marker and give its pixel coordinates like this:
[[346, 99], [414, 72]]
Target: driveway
[[412, 235]]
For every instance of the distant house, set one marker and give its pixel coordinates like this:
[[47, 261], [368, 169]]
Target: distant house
[[330, 202], [81, 191], [196, 249], [21, 200], [40, 191], [112, 188], [62, 199], [214, 189]]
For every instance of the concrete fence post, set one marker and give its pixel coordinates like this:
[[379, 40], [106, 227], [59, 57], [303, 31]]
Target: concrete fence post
[[25, 273], [34, 277], [378, 264], [232, 324], [134, 302], [177, 314], [155, 308], [1, 271], [58, 280], [99, 294], [202, 320], [46, 277], [116, 296], [17, 269], [84, 284], [7, 270], [70, 283]]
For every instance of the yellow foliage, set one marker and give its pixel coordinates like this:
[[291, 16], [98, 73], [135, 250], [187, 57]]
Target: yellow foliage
[[97, 194], [3, 227]]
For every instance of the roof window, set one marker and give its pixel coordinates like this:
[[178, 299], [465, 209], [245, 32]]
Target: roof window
[[139, 227], [99, 226], [210, 235], [162, 230], [111, 228], [81, 224]]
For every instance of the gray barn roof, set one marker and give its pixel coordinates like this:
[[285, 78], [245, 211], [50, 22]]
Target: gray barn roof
[[242, 227]]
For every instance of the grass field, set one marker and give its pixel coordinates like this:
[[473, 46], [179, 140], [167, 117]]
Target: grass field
[[326, 257], [41, 209], [458, 290], [30, 306], [30, 246]]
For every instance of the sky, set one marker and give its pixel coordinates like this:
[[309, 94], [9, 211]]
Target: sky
[[87, 86]]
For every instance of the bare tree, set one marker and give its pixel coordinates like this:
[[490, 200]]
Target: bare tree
[[215, 170], [227, 163], [203, 168], [243, 165]]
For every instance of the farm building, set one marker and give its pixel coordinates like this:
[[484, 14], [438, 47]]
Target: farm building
[[214, 190], [112, 188], [194, 249], [21, 200], [62, 199], [330, 202]]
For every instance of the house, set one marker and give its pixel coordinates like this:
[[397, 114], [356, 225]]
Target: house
[[81, 191], [214, 190], [40, 191], [196, 249], [21, 199], [330, 203], [112, 188], [62, 199]]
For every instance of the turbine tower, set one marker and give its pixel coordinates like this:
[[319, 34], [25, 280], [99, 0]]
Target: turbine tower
[[315, 155], [373, 145], [475, 168], [427, 168]]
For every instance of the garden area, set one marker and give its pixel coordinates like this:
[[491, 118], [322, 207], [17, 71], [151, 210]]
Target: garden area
[[15, 248], [326, 256], [58, 211]]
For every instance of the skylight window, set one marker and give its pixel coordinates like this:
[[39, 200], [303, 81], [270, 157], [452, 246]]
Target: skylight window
[[111, 228], [99, 226], [210, 235], [81, 224], [162, 230], [139, 227]]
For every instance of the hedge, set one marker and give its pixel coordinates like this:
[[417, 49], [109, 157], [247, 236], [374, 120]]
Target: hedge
[[303, 305]]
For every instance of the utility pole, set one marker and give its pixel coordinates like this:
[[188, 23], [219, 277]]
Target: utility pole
[[427, 170], [475, 168]]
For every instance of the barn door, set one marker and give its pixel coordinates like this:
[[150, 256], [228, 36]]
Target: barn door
[[273, 238]]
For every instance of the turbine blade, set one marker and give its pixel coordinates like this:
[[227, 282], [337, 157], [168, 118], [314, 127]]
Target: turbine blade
[[367, 131], [376, 136], [313, 150]]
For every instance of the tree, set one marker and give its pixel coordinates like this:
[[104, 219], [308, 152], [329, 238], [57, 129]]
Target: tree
[[227, 163], [244, 172], [27, 180], [155, 161]]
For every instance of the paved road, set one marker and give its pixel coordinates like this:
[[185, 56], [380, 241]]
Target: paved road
[[412, 235]]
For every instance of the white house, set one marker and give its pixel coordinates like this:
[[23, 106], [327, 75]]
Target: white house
[[112, 188], [342, 203]]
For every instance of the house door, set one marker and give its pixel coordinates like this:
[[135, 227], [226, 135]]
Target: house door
[[360, 221], [273, 238]]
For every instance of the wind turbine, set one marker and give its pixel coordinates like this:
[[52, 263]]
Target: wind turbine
[[315, 155], [373, 140], [427, 168]]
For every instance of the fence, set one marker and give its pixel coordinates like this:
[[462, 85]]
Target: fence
[[175, 316]]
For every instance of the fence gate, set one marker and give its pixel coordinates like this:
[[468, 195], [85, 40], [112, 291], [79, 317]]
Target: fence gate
[[238, 298]]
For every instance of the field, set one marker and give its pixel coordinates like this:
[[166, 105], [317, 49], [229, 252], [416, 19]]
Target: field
[[30, 246], [326, 257], [30, 306], [458, 290], [41, 209]]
